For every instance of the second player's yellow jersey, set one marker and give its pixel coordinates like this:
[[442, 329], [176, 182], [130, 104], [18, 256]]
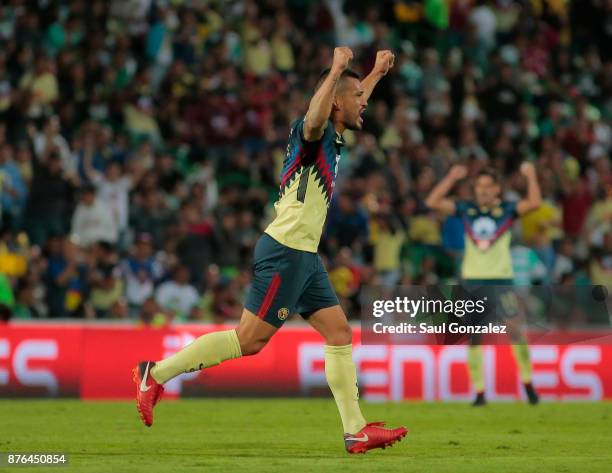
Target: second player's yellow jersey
[[307, 184], [487, 243]]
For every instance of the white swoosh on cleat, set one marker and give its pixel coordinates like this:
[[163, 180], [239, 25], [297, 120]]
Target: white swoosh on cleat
[[359, 439], [143, 384]]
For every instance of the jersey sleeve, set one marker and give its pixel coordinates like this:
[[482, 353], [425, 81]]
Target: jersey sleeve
[[298, 131], [511, 209], [309, 149], [460, 208]]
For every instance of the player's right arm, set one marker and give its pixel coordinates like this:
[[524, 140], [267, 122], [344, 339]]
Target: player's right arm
[[320, 107], [437, 198]]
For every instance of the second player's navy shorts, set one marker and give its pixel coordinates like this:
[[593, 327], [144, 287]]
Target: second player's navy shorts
[[501, 302], [287, 281]]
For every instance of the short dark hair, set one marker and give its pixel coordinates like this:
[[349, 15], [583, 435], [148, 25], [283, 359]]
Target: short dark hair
[[88, 188], [492, 173], [346, 73]]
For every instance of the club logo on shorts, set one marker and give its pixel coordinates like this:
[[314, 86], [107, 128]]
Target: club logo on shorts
[[283, 313]]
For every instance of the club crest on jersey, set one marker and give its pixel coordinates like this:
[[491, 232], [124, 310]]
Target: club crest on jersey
[[484, 229], [283, 313]]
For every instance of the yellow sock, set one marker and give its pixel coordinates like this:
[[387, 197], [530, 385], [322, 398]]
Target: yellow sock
[[342, 380], [521, 355], [207, 350], [474, 361]]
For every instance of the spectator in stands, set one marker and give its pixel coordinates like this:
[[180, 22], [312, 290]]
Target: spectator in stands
[[93, 220], [347, 223], [49, 203], [13, 189], [151, 215], [106, 283], [7, 299], [152, 316], [177, 296], [66, 279], [50, 140], [142, 272]]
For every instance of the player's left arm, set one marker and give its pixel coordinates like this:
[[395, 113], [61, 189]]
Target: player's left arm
[[534, 197], [384, 62]]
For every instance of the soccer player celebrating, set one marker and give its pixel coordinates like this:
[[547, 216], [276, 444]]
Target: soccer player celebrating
[[289, 276], [487, 264]]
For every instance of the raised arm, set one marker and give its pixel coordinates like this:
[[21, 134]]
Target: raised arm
[[321, 103], [534, 197], [384, 62], [437, 198]]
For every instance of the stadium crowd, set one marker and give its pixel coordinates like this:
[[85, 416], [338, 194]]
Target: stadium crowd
[[141, 143]]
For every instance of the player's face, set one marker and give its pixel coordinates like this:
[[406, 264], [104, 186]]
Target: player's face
[[352, 104], [486, 190]]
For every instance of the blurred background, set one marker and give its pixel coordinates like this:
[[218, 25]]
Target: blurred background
[[141, 143]]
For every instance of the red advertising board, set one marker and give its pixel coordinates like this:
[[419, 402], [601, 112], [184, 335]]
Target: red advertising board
[[45, 361], [95, 362]]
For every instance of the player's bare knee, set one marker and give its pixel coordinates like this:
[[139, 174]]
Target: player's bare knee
[[343, 335], [251, 347], [516, 338], [253, 334], [515, 334]]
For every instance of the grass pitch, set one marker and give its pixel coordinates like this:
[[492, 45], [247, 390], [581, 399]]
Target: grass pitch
[[297, 435]]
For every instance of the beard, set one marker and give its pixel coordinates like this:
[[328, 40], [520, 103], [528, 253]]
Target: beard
[[354, 125]]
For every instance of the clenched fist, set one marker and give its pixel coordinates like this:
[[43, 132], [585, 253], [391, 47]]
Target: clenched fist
[[342, 57], [458, 172], [384, 61], [528, 169]]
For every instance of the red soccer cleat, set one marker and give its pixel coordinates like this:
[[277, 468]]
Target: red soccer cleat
[[373, 435], [148, 391]]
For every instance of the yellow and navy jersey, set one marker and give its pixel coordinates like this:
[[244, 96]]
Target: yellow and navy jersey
[[487, 243], [307, 184]]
